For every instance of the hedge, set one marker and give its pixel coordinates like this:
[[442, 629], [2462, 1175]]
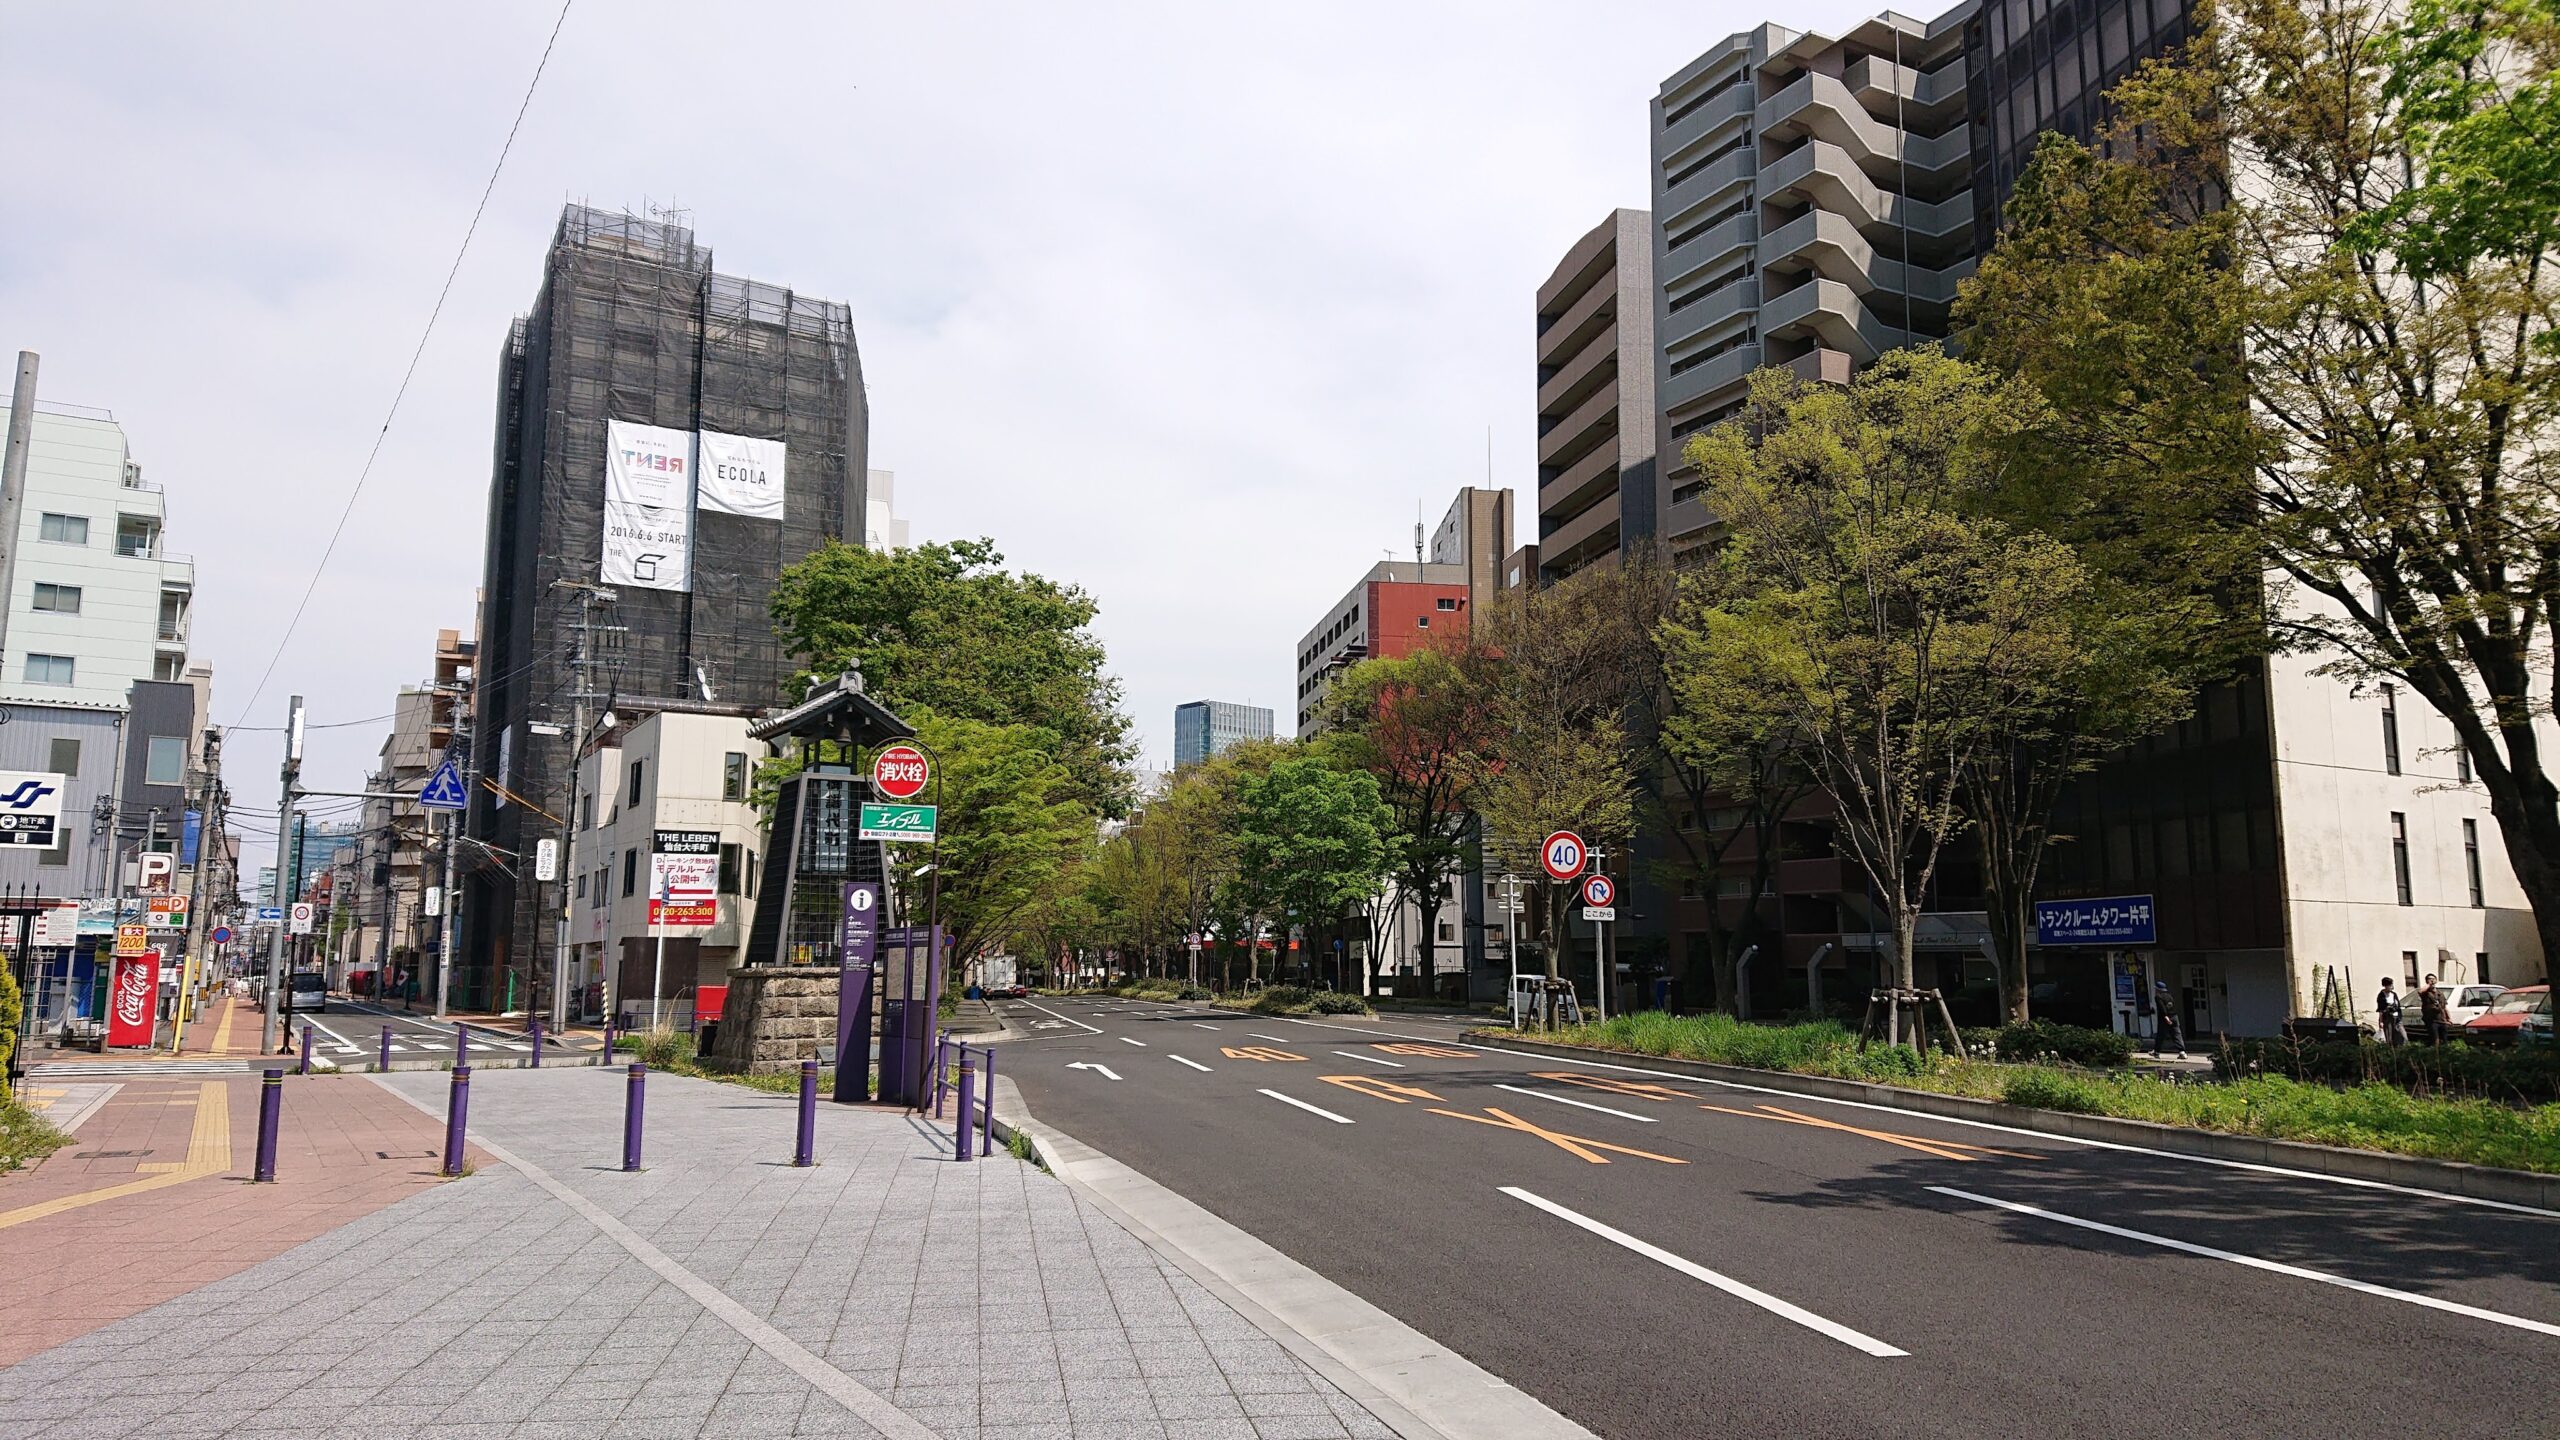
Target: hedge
[[2525, 1077]]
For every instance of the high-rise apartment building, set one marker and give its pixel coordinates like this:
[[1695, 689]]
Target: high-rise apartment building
[[1202, 728], [1596, 490], [669, 438], [1475, 535]]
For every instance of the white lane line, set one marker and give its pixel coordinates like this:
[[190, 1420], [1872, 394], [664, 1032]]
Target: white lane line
[[2272, 1267], [1203, 1027], [1372, 1059], [350, 1045], [1374, 1031], [1274, 1039], [1854, 1339], [1125, 1040], [509, 1045], [1311, 1109], [347, 1050], [1584, 1104], [1194, 1064], [1054, 1015]]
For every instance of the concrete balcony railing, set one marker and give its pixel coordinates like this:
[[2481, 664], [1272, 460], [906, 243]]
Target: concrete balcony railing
[[1725, 371], [1829, 245], [1703, 121], [1831, 313], [1877, 81], [1821, 106], [1578, 370], [1686, 518], [1580, 481], [1575, 326], [1592, 532], [1562, 437], [1710, 251], [1819, 173], [1671, 203]]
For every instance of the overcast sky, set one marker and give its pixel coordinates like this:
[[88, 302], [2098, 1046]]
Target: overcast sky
[[1188, 304]]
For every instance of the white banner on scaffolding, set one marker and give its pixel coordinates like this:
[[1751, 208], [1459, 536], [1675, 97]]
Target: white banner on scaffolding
[[648, 507], [741, 475]]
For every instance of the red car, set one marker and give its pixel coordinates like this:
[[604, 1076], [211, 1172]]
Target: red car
[[2510, 1016]]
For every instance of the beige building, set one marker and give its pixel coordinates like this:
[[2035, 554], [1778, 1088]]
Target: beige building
[[1596, 490]]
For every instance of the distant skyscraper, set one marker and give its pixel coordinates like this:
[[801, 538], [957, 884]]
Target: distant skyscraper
[[1205, 727]]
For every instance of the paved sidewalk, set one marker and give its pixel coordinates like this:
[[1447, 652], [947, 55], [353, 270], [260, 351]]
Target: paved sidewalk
[[889, 1291]]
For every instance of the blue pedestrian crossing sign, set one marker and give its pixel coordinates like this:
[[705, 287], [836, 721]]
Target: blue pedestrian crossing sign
[[444, 789]]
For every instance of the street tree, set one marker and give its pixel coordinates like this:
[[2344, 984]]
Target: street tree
[[1015, 830], [1312, 840]]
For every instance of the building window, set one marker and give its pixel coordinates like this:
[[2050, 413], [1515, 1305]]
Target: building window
[[630, 872], [2409, 967], [1448, 933], [589, 821], [2391, 729], [63, 756], [2481, 959], [1422, 622], [1445, 603], [2400, 854], [733, 776], [2462, 762], [51, 670], [64, 529], [52, 599], [165, 760], [2471, 858], [635, 781], [582, 887], [729, 855]]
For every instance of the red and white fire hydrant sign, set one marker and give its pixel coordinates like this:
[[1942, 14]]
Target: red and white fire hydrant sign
[[133, 1000]]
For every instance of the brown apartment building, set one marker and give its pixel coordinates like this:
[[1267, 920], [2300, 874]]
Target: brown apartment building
[[1596, 490]]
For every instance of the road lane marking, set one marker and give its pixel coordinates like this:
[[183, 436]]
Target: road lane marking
[[1580, 1145], [1854, 1339], [1613, 1085], [1379, 1088], [1054, 1015], [1583, 1104], [2272, 1267], [1197, 1025], [1372, 1059], [1311, 1109], [1125, 1040], [1257, 1052], [1445, 1052], [1927, 1145], [1194, 1064], [1107, 1072], [1277, 1039]]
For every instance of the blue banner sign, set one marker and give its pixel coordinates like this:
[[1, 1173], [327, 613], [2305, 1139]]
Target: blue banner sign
[[2106, 920]]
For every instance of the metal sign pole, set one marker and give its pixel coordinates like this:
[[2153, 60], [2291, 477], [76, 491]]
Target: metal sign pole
[[271, 1032]]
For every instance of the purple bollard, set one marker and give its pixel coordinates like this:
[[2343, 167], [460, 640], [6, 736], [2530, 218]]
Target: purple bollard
[[537, 1042], [306, 1049], [461, 1046], [270, 1115], [960, 1132], [807, 1154], [987, 1137], [634, 1097], [384, 1064], [941, 1072], [457, 1118]]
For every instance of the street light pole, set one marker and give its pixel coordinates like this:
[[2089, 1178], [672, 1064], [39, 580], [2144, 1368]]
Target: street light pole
[[271, 1032]]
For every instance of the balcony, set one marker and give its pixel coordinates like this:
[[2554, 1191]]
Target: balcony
[[1577, 541], [1822, 107], [1686, 518], [1819, 876], [1581, 320], [177, 572], [1566, 435], [1819, 173], [1584, 478], [1831, 314]]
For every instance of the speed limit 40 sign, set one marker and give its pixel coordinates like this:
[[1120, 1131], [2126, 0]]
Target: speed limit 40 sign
[[1563, 855]]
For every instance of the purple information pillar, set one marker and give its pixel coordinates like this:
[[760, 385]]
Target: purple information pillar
[[855, 955]]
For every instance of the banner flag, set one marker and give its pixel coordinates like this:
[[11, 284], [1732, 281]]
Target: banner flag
[[741, 476], [648, 507]]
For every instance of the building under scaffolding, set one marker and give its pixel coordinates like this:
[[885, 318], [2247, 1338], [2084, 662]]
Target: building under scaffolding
[[630, 396]]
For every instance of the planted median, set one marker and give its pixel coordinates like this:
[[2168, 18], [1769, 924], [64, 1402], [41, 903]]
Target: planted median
[[2364, 1114]]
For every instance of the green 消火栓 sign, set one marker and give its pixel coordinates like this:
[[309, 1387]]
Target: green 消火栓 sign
[[897, 822]]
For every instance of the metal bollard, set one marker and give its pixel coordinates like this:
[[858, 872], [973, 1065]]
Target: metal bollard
[[960, 1133], [807, 1154], [270, 1115], [941, 1071], [537, 1042], [634, 1096], [384, 1064], [461, 1046], [457, 1118], [987, 1136], [306, 1049]]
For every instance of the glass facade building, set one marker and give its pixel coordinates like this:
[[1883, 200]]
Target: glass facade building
[[1202, 728]]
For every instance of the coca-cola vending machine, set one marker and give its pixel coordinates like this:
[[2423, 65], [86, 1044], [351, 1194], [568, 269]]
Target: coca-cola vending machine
[[133, 1000]]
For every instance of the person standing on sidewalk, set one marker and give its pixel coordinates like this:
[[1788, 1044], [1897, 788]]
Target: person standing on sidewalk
[[2164, 1022], [2386, 1015], [2432, 1008]]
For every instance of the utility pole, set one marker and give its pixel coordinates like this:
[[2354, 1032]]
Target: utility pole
[[191, 979], [444, 946], [589, 596], [271, 1033], [13, 479]]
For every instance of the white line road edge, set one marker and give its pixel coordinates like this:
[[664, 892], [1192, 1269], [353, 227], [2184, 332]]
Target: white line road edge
[[1125, 1040], [1311, 1109], [1054, 1015], [1585, 1104], [2407, 1297], [1194, 1064], [1372, 1059], [1854, 1339]]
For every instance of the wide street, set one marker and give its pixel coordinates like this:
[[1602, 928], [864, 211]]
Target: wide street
[[350, 1031], [1661, 1256]]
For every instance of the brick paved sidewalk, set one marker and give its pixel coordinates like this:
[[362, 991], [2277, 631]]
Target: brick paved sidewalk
[[890, 1291], [153, 1200]]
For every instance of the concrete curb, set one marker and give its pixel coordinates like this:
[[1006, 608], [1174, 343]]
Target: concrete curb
[[2480, 1183], [1417, 1387]]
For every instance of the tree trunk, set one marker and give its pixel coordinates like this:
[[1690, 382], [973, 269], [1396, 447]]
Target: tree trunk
[[1906, 926], [2009, 940]]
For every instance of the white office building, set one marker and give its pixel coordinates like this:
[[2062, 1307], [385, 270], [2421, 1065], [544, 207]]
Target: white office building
[[96, 601]]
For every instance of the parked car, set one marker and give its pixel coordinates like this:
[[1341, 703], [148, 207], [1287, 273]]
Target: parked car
[[2463, 1003], [2509, 1014], [306, 990]]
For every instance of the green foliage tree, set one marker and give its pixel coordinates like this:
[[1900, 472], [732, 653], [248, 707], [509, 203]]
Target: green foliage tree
[[1312, 840], [1015, 829]]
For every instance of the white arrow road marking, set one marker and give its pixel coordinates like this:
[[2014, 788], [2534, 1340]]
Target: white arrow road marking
[[1569, 1100], [1107, 1072], [1372, 1059], [1194, 1064], [1064, 1019], [1311, 1109], [1695, 1271], [2272, 1267], [1125, 1040]]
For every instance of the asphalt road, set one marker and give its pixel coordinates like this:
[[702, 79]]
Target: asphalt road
[[351, 1031], [1661, 1256]]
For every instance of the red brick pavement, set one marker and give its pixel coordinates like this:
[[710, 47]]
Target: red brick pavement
[[154, 1199]]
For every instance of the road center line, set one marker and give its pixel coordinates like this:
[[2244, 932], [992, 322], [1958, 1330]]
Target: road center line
[[1125, 1040], [1372, 1059], [2272, 1267], [1583, 1104], [1855, 1340], [1274, 1039], [1194, 1064], [1204, 1027], [1054, 1015], [1311, 1109]]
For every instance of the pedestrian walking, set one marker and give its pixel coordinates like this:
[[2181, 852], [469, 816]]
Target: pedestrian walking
[[2164, 1022], [2433, 1008], [2386, 1014]]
